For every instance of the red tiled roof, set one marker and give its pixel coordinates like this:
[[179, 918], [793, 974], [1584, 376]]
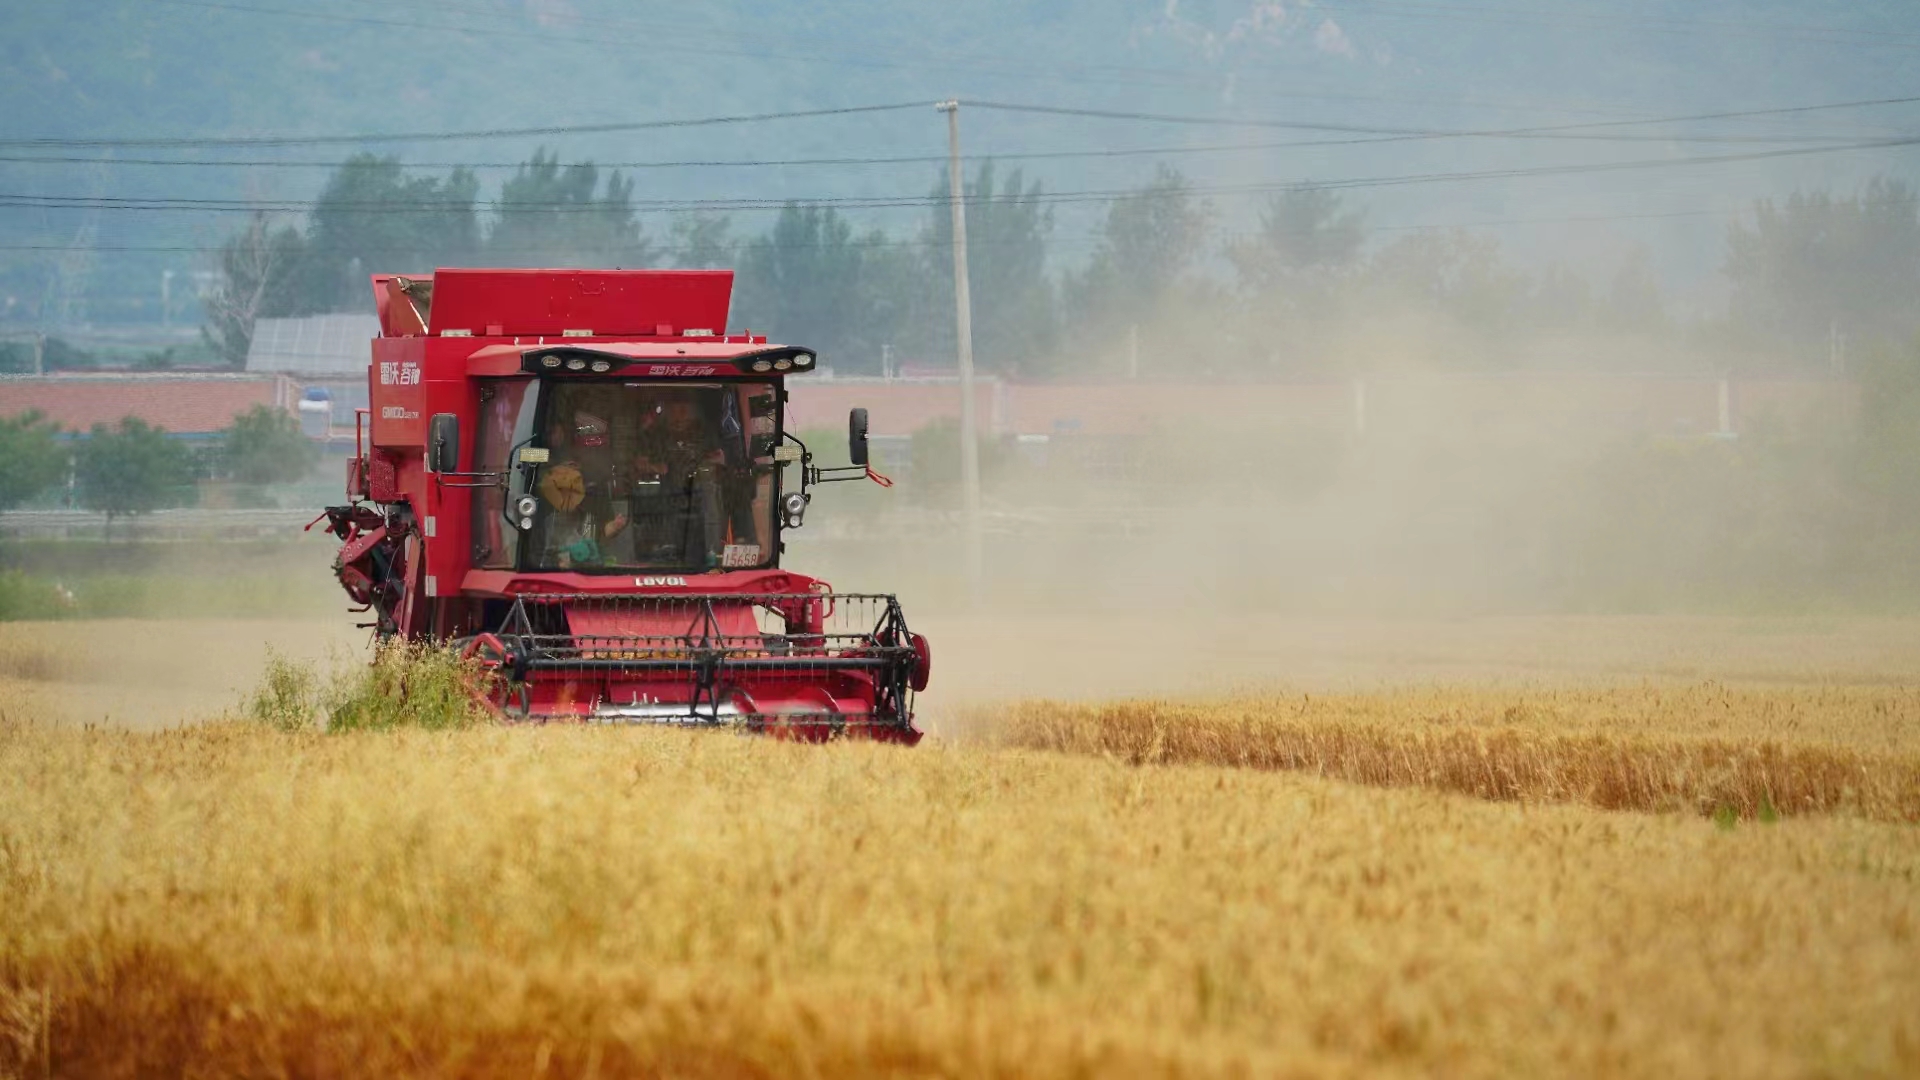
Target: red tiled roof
[[181, 404]]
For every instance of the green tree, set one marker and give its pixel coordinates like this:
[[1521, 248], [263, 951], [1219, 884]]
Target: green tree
[[561, 215], [1015, 308], [370, 216], [1151, 238], [1449, 274], [265, 446], [811, 281], [1306, 236], [259, 269], [701, 242], [35, 460], [132, 468], [55, 355], [1818, 264], [373, 217], [1294, 274]]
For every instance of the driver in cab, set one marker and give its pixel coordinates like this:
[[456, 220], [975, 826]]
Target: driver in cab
[[675, 474], [575, 487], [675, 450]]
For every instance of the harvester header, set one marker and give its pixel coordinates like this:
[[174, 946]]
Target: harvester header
[[584, 478]]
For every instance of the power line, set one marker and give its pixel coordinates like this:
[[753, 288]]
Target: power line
[[1381, 134], [451, 136], [899, 159], [1420, 133], [741, 204]]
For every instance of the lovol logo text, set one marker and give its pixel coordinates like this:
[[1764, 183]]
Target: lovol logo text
[[661, 582]]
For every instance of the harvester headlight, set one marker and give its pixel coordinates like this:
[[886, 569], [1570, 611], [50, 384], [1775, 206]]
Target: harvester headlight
[[803, 360], [577, 363], [762, 365], [526, 523], [526, 506], [793, 507], [782, 364], [601, 367], [550, 360]]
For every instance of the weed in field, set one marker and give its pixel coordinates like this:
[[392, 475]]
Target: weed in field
[[288, 697], [427, 687], [424, 687], [23, 596]]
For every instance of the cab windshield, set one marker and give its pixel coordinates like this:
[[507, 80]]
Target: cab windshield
[[653, 476]]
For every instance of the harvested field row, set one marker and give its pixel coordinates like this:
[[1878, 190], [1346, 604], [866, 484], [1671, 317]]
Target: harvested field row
[[1512, 748]]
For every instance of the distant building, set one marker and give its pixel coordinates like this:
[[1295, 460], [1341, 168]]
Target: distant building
[[186, 404], [327, 355]]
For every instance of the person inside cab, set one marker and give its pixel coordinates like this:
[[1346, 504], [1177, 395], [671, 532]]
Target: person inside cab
[[576, 486], [677, 474]]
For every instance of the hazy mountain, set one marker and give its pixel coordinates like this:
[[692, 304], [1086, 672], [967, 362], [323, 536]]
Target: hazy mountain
[[143, 69]]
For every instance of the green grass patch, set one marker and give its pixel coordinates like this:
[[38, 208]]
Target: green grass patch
[[410, 686], [23, 596]]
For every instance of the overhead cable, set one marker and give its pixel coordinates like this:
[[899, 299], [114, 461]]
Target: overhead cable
[[714, 205], [453, 136], [1383, 134]]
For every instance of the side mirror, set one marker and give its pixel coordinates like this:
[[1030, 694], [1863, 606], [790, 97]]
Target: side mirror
[[857, 436], [443, 443]]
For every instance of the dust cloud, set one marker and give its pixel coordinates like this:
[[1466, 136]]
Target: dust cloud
[[1661, 517], [169, 633], [1405, 524]]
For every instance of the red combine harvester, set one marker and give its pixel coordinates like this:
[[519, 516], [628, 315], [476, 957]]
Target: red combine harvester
[[579, 476]]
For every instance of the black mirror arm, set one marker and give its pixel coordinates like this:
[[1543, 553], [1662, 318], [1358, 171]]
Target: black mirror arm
[[806, 460], [810, 474], [526, 470]]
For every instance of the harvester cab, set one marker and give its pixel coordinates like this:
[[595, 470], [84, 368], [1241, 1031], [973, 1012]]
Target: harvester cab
[[582, 479]]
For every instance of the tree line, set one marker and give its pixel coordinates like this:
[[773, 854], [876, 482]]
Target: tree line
[[1296, 295], [133, 467]]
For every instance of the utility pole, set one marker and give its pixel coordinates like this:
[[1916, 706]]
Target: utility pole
[[963, 313]]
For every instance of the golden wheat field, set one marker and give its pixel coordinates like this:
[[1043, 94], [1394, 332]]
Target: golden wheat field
[[1596, 869]]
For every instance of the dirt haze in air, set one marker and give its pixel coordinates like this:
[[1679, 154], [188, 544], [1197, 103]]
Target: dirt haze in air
[[1404, 524]]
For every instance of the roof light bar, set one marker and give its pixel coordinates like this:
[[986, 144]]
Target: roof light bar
[[571, 359], [783, 359], [583, 360]]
